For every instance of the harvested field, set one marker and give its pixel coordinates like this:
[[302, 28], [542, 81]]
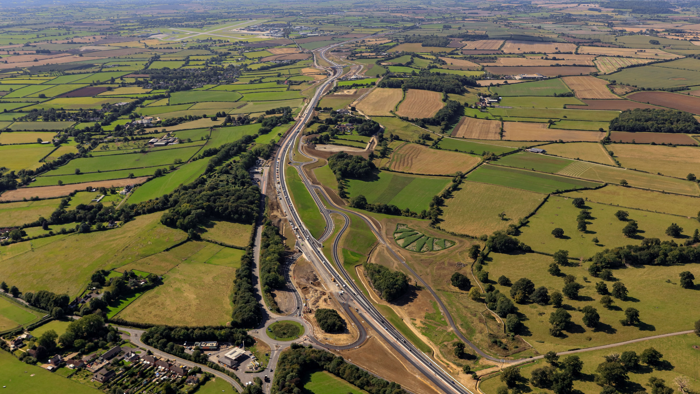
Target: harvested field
[[537, 47], [546, 71], [619, 105], [581, 60], [608, 65], [60, 191], [420, 104], [588, 151], [87, 91], [474, 208], [279, 51], [459, 64], [488, 45], [521, 131], [680, 102], [337, 148], [419, 159], [627, 52], [44, 62], [648, 138], [674, 161], [380, 102], [587, 87], [481, 129]]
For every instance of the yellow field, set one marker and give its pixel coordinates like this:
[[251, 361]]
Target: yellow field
[[627, 52], [521, 131], [20, 157], [62, 150], [483, 45], [537, 47], [474, 209], [608, 65], [229, 233], [577, 60], [678, 161], [462, 64], [281, 51], [478, 129], [588, 151], [420, 104], [380, 102], [24, 137], [587, 87], [419, 159], [18, 213]]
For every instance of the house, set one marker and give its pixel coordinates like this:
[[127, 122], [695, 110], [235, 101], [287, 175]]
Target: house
[[90, 357], [56, 360], [103, 375], [32, 352], [192, 380], [131, 357], [75, 364], [149, 360], [233, 357], [179, 370], [162, 364], [96, 366], [536, 150], [109, 354]]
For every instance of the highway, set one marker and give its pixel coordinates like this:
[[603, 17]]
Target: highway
[[311, 248]]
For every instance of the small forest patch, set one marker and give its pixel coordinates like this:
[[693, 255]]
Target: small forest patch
[[416, 241]]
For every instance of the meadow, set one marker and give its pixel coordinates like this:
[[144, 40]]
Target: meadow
[[534, 162], [166, 184], [539, 102], [18, 213], [93, 177], [676, 161], [18, 157], [197, 96], [305, 204], [76, 103], [404, 191], [13, 315], [655, 77], [548, 87], [322, 382], [229, 233], [525, 180], [15, 376], [7, 138], [587, 151], [473, 147]]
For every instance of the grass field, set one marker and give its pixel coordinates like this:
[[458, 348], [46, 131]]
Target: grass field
[[22, 378], [198, 96], [13, 315], [539, 102], [475, 148], [580, 125], [404, 191], [76, 103], [674, 161], [160, 186], [380, 102], [229, 233], [20, 157], [560, 212], [522, 131], [18, 213], [60, 326], [271, 96], [322, 382], [474, 208], [547, 87], [535, 162], [588, 87], [304, 203], [419, 159], [216, 386], [555, 114], [7, 138], [93, 177], [587, 151], [526, 180], [627, 197], [655, 77], [194, 252], [62, 264], [407, 131], [285, 330]]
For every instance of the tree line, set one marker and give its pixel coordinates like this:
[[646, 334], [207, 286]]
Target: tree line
[[425, 80], [656, 121], [330, 320], [390, 284], [428, 40], [272, 253]]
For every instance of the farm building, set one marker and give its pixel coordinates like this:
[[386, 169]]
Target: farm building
[[536, 150], [530, 76]]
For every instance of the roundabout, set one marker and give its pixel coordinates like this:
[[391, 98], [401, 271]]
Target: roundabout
[[285, 330]]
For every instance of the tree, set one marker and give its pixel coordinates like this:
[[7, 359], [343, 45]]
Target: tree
[[561, 257], [606, 301], [571, 290], [543, 377], [579, 202], [502, 390], [14, 291], [619, 291], [697, 328], [631, 229], [601, 288], [606, 274], [475, 294], [623, 182], [631, 317], [540, 296], [630, 360], [658, 386], [503, 281], [459, 350], [572, 365], [690, 177], [521, 290], [504, 306], [687, 280], [330, 320], [674, 230], [556, 299], [558, 232], [483, 276], [511, 376], [582, 226], [48, 340], [559, 319], [474, 251], [57, 313], [554, 269], [651, 357], [466, 369], [622, 215], [512, 323], [611, 373], [551, 357], [4, 287], [460, 281], [591, 318]]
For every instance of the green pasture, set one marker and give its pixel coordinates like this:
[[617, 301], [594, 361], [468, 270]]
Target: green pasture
[[197, 96], [366, 81], [305, 204], [248, 86], [534, 162], [166, 184], [22, 378], [152, 111], [526, 180], [262, 106], [515, 114], [93, 176], [126, 161], [271, 96], [32, 126], [13, 315], [655, 77], [171, 64], [547, 87], [322, 382], [539, 102], [19, 213], [77, 103], [404, 191], [18, 157], [475, 148], [225, 135], [580, 125]]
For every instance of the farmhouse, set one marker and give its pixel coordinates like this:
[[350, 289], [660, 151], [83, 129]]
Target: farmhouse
[[56, 360], [162, 364], [149, 360], [232, 358]]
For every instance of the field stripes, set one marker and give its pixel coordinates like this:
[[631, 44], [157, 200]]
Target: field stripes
[[396, 185], [576, 169]]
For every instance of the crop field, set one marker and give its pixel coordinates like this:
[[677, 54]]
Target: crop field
[[670, 100], [526, 180], [404, 191], [419, 48], [648, 138], [160, 186], [62, 264], [341, 99], [271, 96], [322, 382], [482, 45], [674, 161], [474, 208], [655, 77], [380, 102], [567, 60], [587, 87], [253, 107], [580, 125], [614, 175], [559, 212], [229, 233], [627, 52], [420, 104], [13, 315], [160, 64], [39, 126], [587, 151], [478, 129], [7, 138], [544, 70], [419, 159], [198, 96], [617, 105], [460, 64], [537, 47], [608, 65], [20, 157], [627, 197], [539, 102], [18, 213], [535, 162], [543, 115], [548, 87], [521, 131], [473, 147], [76, 103], [23, 378]]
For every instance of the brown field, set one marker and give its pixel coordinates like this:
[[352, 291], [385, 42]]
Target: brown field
[[60, 191], [87, 91], [489, 45], [627, 52], [537, 47], [648, 138], [118, 52], [546, 71], [587, 87], [380, 102], [30, 58], [420, 104], [418, 48], [478, 129], [588, 151], [419, 159], [460, 64], [287, 56], [279, 51], [44, 62], [520, 131], [494, 82], [680, 102], [475, 52], [619, 105], [674, 161], [581, 60], [608, 65]]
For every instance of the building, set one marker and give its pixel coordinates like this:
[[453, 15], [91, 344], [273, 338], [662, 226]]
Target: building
[[536, 150], [56, 360], [530, 76], [207, 345], [232, 358], [192, 380], [109, 354], [149, 360], [75, 364], [131, 357], [179, 370], [103, 375], [162, 364], [87, 359]]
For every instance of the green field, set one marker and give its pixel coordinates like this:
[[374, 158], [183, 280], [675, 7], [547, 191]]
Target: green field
[[198, 96], [271, 96], [94, 176], [655, 77], [216, 386], [76, 103], [225, 135], [322, 382], [515, 114], [18, 157], [627, 197], [548, 87], [229, 233], [305, 204], [172, 64], [263, 106], [60, 326], [37, 126], [539, 102], [473, 147], [580, 125], [18, 213], [248, 86], [160, 186], [526, 180], [285, 330], [535, 162], [404, 191], [19, 377], [366, 81], [13, 315]]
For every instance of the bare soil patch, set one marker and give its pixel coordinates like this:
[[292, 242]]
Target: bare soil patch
[[648, 138], [279, 51], [546, 71], [338, 148], [680, 102], [587, 87], [521, 131], [420, 104], [60, 191], [419, 159], [44, 62], [380, 102], [490, 45], [481, 129], [88, 91], [619, 105]]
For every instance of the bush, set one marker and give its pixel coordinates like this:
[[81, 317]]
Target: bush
[[330, 320]]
